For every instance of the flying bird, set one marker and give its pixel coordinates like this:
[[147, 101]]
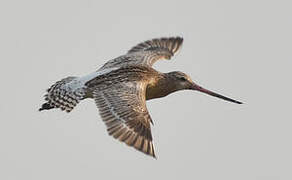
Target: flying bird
[[121, 87]]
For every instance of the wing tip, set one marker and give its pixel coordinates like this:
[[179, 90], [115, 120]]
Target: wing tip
[[133, 139], [172, 44]]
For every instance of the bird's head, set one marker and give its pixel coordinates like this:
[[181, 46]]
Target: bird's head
[[182, 81]]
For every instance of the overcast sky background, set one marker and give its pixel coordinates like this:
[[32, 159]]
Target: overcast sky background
[[241, 49]]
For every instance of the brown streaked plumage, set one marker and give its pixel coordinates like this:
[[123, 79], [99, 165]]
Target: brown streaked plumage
[[121, 87]]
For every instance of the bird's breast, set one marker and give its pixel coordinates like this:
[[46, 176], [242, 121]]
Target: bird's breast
[[155, 90]]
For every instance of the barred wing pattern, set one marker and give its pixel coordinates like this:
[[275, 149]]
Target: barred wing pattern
[[148, 52], [122, 107]]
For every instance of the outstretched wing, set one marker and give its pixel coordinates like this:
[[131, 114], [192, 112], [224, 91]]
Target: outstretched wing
[[122, 107], [148, 52]]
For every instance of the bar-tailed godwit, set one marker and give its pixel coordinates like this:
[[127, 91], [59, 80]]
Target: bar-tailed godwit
[[121, 87]]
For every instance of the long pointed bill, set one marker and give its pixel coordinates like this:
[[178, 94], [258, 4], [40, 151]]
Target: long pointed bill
[[203, 90]]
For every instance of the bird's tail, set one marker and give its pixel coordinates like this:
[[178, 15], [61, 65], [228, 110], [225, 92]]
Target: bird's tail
[[64, 94]]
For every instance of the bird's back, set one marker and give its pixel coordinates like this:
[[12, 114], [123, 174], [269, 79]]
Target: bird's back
[[127, 73]]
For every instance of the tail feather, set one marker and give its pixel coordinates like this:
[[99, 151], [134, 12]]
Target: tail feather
[[46, 106], [64, 94]]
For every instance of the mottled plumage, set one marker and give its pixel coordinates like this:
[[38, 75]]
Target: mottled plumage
[[121, 87]]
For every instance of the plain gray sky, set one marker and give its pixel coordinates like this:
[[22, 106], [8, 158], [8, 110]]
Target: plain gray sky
[[241, 49]]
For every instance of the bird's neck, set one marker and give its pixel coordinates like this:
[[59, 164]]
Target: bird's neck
[[163, 86]]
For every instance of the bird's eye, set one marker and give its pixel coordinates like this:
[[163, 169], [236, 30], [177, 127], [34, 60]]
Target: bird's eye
[[183, 78]]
